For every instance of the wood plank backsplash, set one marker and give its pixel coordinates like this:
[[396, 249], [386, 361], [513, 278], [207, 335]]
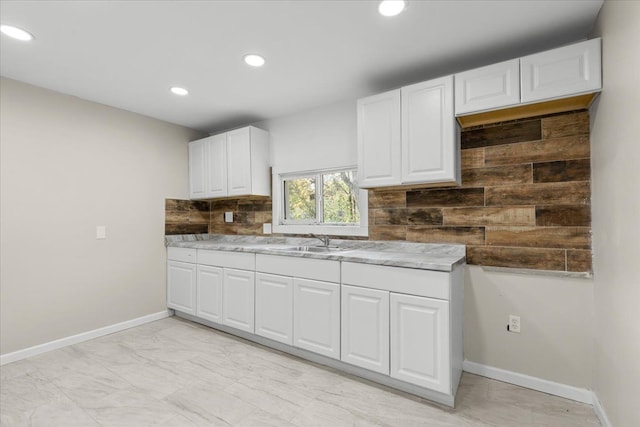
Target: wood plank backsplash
[[524, 201]]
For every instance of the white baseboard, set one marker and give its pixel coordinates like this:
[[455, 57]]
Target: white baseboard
[[563, 390], [600, 412], [84, 336]]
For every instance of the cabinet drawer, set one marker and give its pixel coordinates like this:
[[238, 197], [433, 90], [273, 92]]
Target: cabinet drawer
[[181, 254], [427, 283], [306, 268], [239, 260]]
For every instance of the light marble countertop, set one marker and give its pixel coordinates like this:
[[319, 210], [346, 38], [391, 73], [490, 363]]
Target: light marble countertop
[[424, 256]]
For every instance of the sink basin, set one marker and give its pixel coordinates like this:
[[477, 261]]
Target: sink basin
[[314, 249]]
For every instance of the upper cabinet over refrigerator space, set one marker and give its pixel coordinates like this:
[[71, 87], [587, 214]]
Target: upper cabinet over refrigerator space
[[234, 163], [558, 80]]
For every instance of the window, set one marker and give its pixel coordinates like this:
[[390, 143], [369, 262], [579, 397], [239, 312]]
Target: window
[[324, 202]]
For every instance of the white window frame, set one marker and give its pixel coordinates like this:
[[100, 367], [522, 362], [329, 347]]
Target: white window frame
[[280, 225]]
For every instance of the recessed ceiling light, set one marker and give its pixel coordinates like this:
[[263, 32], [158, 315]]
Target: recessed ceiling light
[[16, 33], [391, 7], [254, 60], [179, 91]]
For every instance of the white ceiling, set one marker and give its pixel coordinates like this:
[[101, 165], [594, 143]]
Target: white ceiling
[[128, 53]]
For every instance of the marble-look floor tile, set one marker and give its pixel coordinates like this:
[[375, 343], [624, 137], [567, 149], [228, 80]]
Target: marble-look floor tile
[[176, 373]]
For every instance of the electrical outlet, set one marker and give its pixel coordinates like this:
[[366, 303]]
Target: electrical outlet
[[514, 324], [101, 232], [228, 217]]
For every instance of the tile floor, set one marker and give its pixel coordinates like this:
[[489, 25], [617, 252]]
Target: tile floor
[[177, 373]]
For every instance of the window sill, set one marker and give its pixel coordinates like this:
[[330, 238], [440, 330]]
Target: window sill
[[329, 230]]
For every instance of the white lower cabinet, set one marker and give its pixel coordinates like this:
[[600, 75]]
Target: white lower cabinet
[[238, 301], [365, 328], [209, 293], [316, 316], [181, 286], [274, 307], [420, 341]]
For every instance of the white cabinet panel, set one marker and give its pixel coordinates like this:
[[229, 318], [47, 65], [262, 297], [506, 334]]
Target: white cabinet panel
[[198, 169], [238, 299], [274, 307], [430, 151], [379, 152], [365, 328], [488, 88], [217, 169], [239, 162], [181, 286], [316, 317], [420, 352], [556, 73], [181, 254], [209, 293], [306, 268]]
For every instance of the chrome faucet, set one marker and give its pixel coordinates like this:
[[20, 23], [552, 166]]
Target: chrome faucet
[[324, 239]]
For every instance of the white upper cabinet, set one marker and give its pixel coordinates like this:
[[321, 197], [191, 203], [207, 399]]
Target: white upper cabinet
[[408, 136], [558, 73], [217, 171], [379, 149], [569, 70], [234, 163], [197, 168], [430, 150], [488, 88]]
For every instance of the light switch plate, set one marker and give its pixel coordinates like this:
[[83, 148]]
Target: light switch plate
[[101, 232], [266, 228], [228, 217]]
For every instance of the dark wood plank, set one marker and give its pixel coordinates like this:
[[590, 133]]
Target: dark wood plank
[[393, 216], [508, 133], [541, 237], [561, 215], [563, 170], [170, 229], [388, 232], [200, 205], [176, 217], [472, 158], [435, 234], [224, 228], [176, 205], [199, 217], [501, 175], [533, 258], [387, 199], [579, 261], [446, 197], [224, 205], [571, 147], [250, 230], [524, 215], [424, 216], [254, 205], [566, 125], [553, 193]]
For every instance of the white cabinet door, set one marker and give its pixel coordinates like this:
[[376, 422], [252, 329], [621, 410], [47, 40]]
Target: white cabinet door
[[365, 328], [430, 151], [379, 151], [569, 70], [238, 299], [209, 293], [197, 169], [488, 88], [316, 316], [420, 352], [181, 286], [274, 307], [239, 162], [217, 169]]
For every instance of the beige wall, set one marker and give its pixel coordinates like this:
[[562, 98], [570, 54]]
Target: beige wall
[[615, 172], [68, 165], [556, 313]]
